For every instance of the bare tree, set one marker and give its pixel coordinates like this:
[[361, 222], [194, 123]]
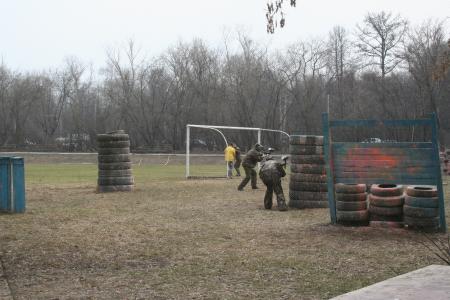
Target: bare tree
[[6, 80], [53, 92], [341, 67], [121, 82], [422, 53], [380, 39], [80, 103], [306, 83]]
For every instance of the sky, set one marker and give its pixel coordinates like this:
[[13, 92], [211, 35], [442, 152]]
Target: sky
[[39, 34]]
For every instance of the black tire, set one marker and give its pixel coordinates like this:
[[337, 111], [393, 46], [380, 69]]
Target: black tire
[[350, 188], [300, 177], [352, 216], [427, 191], [385, 224], [422, 202], [115, 173], [351, 197], [420, 212], [114, 188], [308, 196], [114, 166], [114, 158], [386, 201], [375, 217], [386, 211], [307, 204], [306, 140], [308, 159], [305, 150], [129, 180], [351, 206], [386, 190], [113, 144], [308, 186], [308, 169], [421, 222], [109, 151], [112, 137]]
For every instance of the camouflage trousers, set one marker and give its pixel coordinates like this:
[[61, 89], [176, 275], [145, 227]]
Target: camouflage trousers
[[274, 186], [237, 165], [250, 174]]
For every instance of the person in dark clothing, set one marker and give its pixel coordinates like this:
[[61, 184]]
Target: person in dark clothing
[[237, 160], [253, 156], [271, 173]]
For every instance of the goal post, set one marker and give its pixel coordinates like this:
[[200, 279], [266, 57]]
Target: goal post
[[219, 130]]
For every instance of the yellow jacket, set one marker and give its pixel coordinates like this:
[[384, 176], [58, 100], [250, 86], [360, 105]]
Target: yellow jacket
[[230, 153]]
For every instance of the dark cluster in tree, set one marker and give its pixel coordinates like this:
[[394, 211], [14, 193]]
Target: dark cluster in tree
[[275, 11], [384, 70], [443, 64]]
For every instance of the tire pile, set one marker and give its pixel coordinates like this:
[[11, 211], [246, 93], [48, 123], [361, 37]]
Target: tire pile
[[386, 205], [351, 204], [421, 209], [444, 159], [308, 182], [114, 163]]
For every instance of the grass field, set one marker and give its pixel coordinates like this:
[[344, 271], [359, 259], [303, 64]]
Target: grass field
[[178, 239]]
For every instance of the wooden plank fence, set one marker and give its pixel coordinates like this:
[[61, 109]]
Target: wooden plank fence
[[382, 163]]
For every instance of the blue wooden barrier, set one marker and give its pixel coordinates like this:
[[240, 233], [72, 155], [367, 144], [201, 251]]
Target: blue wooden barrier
[[12, 184], [381, 163], [4, 184]]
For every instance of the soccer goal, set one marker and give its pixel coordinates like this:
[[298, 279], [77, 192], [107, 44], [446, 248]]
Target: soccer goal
[[205, 159]]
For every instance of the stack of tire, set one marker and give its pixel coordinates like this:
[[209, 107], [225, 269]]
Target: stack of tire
[[114, 162], [421, 209], [446, 167], [351, 204], [386, 205], [308, 184], [447, 161], [444, 163]]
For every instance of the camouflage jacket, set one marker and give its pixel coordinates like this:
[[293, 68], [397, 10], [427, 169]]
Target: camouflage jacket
[[271, 170], [251, 158]]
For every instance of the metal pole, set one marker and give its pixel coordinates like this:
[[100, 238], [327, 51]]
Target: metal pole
[[188, 136], [276, 130], [328, 104], [259, 136], [259, 142], [11, 185], [440, 190]]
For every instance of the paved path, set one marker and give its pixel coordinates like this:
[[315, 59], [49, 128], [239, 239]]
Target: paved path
[[432, 282]]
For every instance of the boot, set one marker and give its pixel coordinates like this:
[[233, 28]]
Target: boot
[[268, 201], [281, 203]]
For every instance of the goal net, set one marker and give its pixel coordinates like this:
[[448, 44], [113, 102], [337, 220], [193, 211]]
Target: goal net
[[205, 145]]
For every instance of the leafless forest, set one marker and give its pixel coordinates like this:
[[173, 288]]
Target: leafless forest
[[382, 68]]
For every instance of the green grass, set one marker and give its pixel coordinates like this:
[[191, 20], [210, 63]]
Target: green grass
[[173, 238], [87, 173]]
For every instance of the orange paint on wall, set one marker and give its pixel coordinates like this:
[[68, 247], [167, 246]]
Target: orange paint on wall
[[383, 160]]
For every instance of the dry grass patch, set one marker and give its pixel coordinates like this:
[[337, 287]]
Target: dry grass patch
[[177, 239]]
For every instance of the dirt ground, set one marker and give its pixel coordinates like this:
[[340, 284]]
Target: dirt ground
[[187, 239]]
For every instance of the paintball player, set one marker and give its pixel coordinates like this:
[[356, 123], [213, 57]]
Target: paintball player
[[230, 153], [271, 173], [253, 156], [237, 160]]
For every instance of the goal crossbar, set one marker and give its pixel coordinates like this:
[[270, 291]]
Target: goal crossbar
[[217, 129]]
